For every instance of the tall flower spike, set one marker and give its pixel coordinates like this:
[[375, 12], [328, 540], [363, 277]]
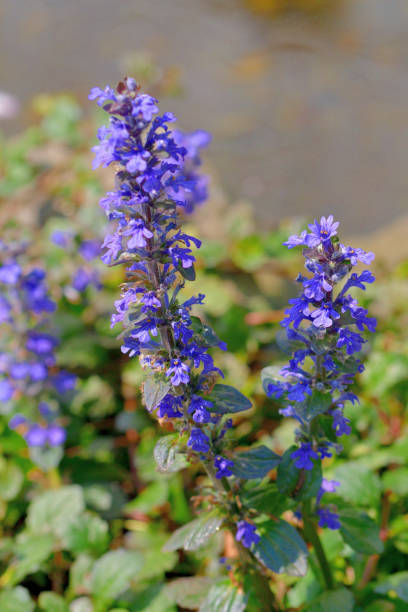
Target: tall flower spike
[[322, 328], [157, 179]]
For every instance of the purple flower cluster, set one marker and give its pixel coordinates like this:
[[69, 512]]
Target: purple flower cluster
[[27, 358], [327, 517], [156, 180], [323, 328], [48, 433], [85, 274]]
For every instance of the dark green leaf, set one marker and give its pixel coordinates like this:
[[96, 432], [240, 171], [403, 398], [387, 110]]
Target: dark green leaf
[[224, 597], [188, 273], [313, 405], [154, 389], [228, 400], [266, 498], [255, 463], [193, 535], [205, 331], [166, 455], [360, 532], [281, 548], [301, 484], [287, 346]]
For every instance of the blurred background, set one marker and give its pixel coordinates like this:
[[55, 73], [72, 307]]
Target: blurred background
[[306, 99]]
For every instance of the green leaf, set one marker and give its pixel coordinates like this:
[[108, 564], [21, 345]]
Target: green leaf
[[79, 574], [51, 602], [266, 498], [398, 582], [166, 455], [188, 273], [360, 532], [188, 592], [193, 535], [112, 574], [55, 510], [206, 332], [396, 481], [281, 548], [153, 496], [313, 405], [228, 400], [16, 600], [340, 600], [287, 346], [255, 463], [153, 599], [301, 484], [154, 389], [11, 480], [88, 533], [46, 457], [359, 485], [224, 597], [156, 562], [31, 550]]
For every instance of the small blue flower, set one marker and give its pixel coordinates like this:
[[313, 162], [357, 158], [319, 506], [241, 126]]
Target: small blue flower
[[246, 533], [198, 441], [223, 467], [322, 232], [327, 518], [179, 372], [304, 456]]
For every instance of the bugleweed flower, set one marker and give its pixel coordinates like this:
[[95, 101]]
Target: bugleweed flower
[[27, 360], [85, 273], [156, 179], [322, 328]]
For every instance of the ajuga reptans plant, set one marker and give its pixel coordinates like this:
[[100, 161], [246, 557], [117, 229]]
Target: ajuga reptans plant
[[157, 182]]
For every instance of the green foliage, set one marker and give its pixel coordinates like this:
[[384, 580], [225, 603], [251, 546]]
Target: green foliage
[[281, 548], [360, 532], [228, 400], [224, 597], [255, 463], [300, 485], [196, 533]]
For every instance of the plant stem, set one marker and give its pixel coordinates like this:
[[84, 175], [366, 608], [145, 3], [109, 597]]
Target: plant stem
[[267, 601], [312, 536]]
